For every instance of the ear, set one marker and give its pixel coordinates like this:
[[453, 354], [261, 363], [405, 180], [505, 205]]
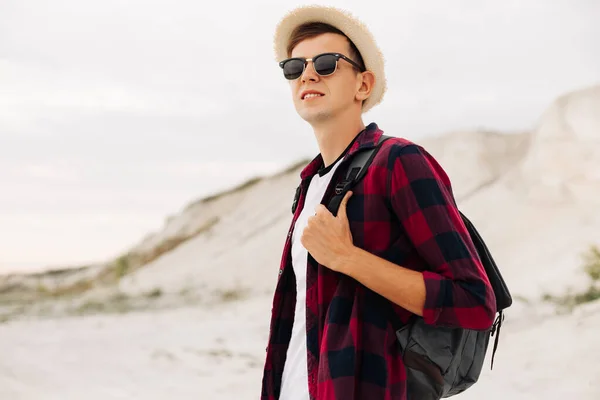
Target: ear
[[366, 85]]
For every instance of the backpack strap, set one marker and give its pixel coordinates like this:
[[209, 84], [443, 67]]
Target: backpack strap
[[296, 198], [496, 331], [499, 287], [357, 169]]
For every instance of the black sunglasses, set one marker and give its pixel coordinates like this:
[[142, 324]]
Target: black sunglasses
[[324, 64]]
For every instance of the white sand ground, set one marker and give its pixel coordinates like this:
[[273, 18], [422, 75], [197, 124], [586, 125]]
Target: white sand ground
[[534, 196], [191, 353]]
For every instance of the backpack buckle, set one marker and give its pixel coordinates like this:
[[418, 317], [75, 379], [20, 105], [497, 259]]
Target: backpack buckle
[[296, 198], [339, 188], [497, 323]]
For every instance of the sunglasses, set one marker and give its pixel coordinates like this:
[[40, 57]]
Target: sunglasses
[[325, 64]]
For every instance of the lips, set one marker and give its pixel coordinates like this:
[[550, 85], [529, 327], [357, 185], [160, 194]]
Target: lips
[[309, 94]]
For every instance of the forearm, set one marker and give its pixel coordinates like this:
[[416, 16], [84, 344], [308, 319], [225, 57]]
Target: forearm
[[399, 285], [423, 294]]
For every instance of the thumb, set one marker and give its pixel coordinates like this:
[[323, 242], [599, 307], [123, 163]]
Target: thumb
[[343, 204]]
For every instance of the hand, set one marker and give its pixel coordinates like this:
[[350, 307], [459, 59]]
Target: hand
[[327, 238]]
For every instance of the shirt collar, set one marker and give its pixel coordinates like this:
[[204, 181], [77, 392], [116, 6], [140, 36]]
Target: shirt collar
[[365, 139]]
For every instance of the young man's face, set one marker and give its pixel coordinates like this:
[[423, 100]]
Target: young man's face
[[340, 90]]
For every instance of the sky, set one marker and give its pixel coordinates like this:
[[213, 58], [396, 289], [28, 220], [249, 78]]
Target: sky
[[116, 114]]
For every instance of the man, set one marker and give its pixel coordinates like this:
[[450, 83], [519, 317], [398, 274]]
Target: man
[[397, 244]]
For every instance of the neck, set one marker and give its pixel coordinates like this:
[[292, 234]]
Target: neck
[[333, 136]]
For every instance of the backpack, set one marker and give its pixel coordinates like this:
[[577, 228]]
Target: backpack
[[440, 361]]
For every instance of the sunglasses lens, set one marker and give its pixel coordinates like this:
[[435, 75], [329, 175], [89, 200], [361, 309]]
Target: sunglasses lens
[[292, 69], [325, 64]]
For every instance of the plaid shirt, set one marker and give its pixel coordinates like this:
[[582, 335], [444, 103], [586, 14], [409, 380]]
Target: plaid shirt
[[403, 211]]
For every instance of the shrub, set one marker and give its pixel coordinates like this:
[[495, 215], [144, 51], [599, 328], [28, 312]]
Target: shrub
[[592, 264], [156, 292], [591, 267], [121, 267]]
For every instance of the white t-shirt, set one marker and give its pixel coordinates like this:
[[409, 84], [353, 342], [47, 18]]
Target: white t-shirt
[[294, 385]]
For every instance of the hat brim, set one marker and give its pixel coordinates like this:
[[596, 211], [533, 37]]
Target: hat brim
[[356, 31]]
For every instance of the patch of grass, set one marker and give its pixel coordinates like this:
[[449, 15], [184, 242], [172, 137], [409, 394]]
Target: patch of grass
[[206, 227], [91, 307], [11, 288], [61, 271], [121, 266], [154, 293], [10, 313], [592, 263], [43, 292], [117, 303], [173, 242], [570, 300], [547, 297], [249, 183], [42, 289], [522, 299], [232, 294], [592, 294], [220, 353], [71, 290], [118, 297], [117, 269]]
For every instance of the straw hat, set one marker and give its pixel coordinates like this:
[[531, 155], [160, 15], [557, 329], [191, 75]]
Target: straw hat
[[356, 31]]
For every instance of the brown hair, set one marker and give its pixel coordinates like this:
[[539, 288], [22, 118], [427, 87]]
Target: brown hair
[[313, 29]]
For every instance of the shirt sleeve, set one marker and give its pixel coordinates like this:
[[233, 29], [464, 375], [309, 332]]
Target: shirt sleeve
[[458, 292]]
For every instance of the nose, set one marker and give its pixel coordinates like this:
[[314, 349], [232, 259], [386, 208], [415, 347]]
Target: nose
[[309, 73]]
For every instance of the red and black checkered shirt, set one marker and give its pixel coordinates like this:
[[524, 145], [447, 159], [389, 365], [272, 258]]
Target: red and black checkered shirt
[[404, 211]]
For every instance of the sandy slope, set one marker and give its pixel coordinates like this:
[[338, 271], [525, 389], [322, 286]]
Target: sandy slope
[[534, 196]]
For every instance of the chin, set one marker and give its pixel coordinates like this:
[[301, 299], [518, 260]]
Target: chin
[[314, 116]]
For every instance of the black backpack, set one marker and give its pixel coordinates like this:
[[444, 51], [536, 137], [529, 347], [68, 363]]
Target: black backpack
[[440, 362]]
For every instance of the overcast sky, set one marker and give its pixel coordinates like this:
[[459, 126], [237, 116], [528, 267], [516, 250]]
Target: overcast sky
[[115, 114]]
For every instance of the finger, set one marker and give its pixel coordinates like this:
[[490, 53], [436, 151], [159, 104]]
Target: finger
[[303, 240], [343, 204], [321, 209]]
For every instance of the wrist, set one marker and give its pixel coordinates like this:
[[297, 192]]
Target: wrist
[[347, 261]]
